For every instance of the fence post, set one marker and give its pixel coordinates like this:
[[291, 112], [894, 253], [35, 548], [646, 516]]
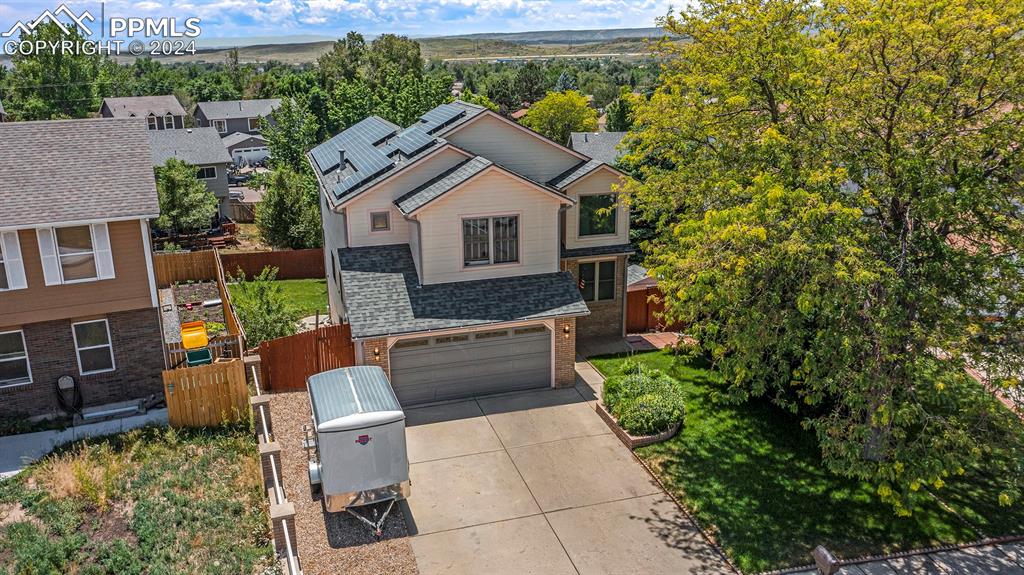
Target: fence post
[[256, 402]]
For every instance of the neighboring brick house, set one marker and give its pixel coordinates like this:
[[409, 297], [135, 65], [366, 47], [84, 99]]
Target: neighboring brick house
[[201, 147], [465, 251], [235, 115], [160, 112], [77, 290]]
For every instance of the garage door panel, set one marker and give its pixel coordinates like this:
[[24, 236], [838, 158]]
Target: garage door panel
[[463, 365]]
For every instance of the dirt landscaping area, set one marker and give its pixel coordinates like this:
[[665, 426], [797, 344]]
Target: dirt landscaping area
[[189, 298], [330, 543]]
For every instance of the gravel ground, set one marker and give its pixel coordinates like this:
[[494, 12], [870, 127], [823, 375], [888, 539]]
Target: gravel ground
[[332, 542]]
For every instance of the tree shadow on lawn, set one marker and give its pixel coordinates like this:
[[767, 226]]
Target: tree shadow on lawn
[[755, 478]]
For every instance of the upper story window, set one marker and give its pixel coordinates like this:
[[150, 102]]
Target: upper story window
[[380, 221], [14, 366], [152, 122], [168, 122], [254, 124], [12, 269], [207, 173], [493, 240], [75, 254], [597, 280], [221, 126], [597, 215], [92, 344]]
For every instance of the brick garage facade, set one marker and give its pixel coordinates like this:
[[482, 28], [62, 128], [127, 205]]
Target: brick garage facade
[[380, 344], [138, 359], [565, 352], [606, 317]]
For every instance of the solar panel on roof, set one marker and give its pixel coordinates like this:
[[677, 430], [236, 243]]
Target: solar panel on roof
[[441, 116], [413, 140]]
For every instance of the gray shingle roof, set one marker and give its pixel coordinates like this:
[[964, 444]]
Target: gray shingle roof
[[238, 108], [141, 106], [197, 146], [235, 138], [441, 184], [597, 251], [636, 274], [566, 178], [383, 297], [600, 146], [73, 170]]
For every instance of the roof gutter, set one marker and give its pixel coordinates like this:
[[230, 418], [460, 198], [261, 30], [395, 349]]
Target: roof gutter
[[465, 328], [81, 222]]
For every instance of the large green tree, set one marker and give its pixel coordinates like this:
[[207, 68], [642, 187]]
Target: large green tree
[[837, 195], [186, 205], [293, 132], [52, 84], [560, 113], [288, 216]]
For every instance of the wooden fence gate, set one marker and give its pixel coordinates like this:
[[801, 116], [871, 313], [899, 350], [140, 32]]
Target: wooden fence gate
[[207, 395], [286, 362], [643, 314]]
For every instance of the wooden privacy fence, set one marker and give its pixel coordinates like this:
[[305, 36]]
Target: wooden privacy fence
[[184, 266], [207, 395], [286, 362], [221, 347], [643, 311], [290, 264]]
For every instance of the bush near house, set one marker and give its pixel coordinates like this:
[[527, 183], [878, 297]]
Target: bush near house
[[644, 401], [153, 500]]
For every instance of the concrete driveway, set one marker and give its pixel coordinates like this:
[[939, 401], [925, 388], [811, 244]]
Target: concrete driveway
[[535, 482]]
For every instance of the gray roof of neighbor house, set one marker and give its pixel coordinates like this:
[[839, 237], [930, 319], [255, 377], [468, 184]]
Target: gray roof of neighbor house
[[601, 146], [635, 273], [141, 106], [383, 296], [374, 148], [74, 170], [238, 108], [441, 184], [197, 146], [235, 138]]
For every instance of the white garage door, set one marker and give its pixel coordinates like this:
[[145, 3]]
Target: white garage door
[[249, 155], [467, 364]]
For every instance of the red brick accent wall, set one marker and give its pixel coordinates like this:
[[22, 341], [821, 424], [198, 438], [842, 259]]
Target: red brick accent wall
[[565, 352], [368, 357], [138, 361], [605, 319]]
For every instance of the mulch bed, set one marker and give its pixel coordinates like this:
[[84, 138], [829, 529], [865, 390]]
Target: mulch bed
[[331, 543], [189, 298]]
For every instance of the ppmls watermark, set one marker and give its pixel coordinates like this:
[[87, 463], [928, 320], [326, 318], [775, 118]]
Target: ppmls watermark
[[116, 34]]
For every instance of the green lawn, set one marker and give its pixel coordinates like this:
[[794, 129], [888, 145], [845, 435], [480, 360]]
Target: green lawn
[[754, 477], [152, 500], [305, 297]]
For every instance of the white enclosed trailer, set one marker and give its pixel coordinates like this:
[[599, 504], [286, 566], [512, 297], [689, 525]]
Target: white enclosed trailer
[[359, 438]]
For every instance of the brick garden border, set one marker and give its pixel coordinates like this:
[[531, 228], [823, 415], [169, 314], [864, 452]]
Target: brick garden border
[[634, 441]]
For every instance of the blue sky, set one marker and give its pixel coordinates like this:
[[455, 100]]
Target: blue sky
[[332, 18]]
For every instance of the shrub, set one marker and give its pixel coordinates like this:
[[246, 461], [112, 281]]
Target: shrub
[[262, 308], [644, 401]]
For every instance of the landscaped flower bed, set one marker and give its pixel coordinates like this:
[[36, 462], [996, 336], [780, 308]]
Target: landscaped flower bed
[[646, 404]]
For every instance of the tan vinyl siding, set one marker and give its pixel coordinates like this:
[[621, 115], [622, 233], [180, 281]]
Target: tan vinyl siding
[[382, 198], [600, 182], [513, 148], [129, 290], [491, 194]]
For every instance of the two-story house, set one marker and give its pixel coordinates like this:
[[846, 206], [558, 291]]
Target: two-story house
[[235, 115], [160, 112], [467, 252], [201, 147], [78, 299]]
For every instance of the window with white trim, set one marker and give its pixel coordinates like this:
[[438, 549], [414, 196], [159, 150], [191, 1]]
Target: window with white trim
[[152, 122], [207, 173], [254, 124], [93, 347], [380, 221], [597, 280], [169, 122], [493, 240], [597, 215], [12, 268], [14, 366], [75, 253], [221, 126]]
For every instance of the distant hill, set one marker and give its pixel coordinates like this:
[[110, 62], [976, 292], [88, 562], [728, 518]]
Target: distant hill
[[561, 36]]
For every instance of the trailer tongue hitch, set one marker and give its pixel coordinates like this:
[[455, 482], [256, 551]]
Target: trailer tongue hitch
[[376, 524]]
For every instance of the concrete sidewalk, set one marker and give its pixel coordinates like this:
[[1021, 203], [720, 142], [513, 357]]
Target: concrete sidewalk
[[17, 451]]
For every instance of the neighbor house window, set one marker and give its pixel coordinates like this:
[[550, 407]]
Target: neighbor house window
[[152, 122], [490, 240], [221, 126], [207, 173], [597, 215], [380, 221], [92, 344], [254, 124], [168, 122], [75, 253], [597, 280], [14, 367]]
